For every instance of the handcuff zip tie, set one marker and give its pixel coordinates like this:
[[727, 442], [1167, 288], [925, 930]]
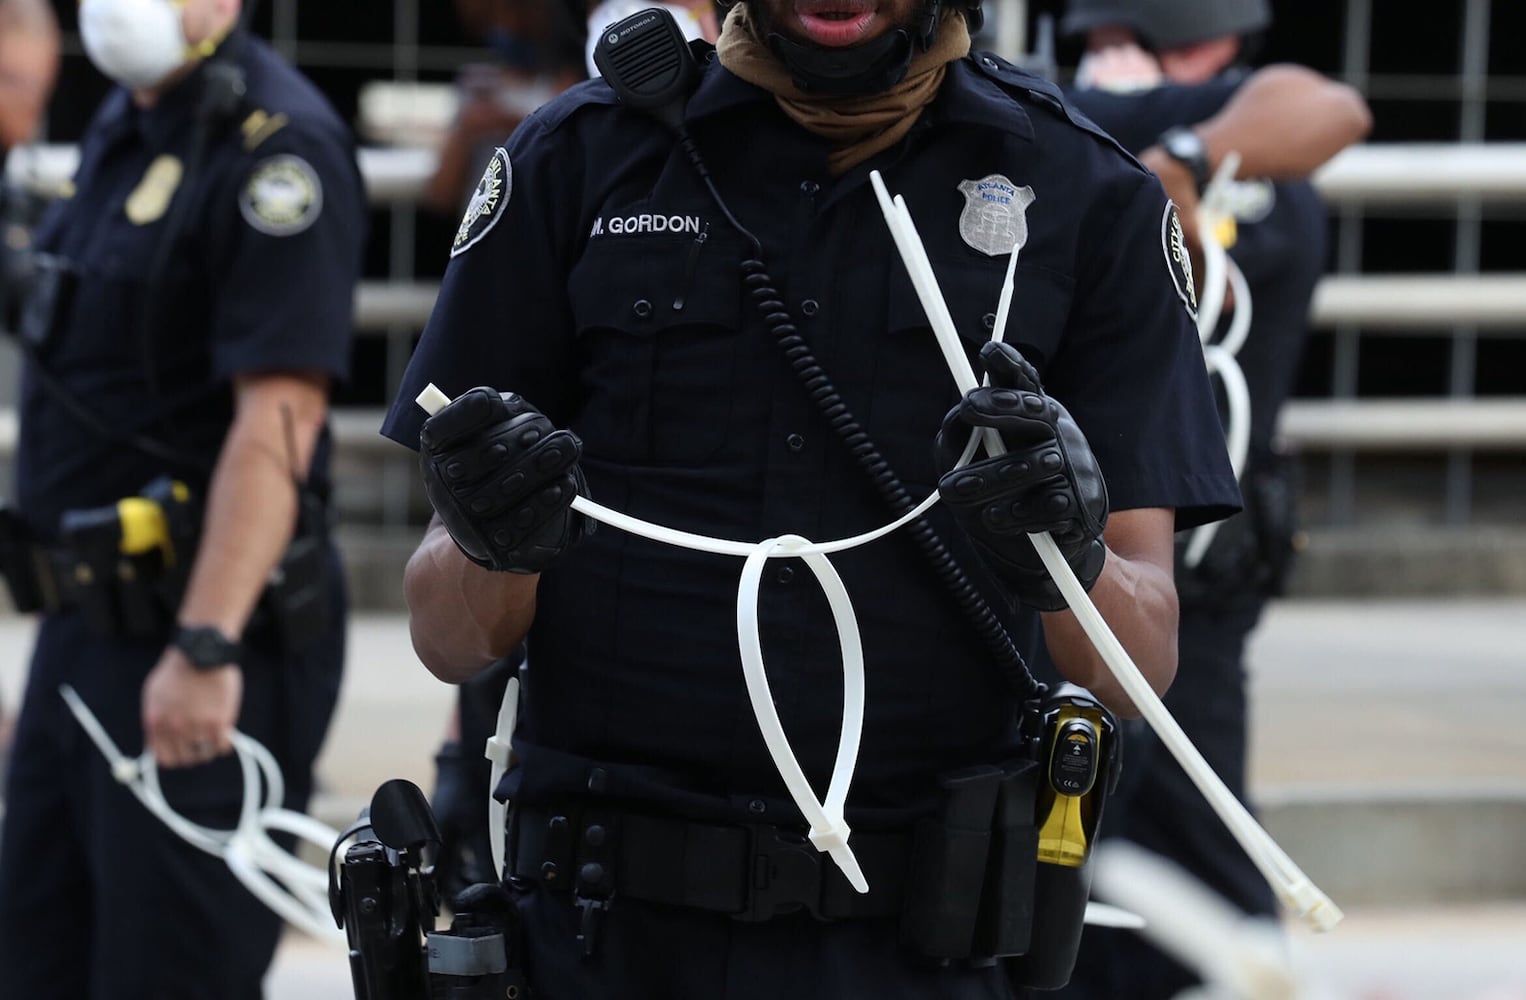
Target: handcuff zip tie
[[1220, 272], [294, 889]]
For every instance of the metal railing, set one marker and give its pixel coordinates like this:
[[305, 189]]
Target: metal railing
[[1410, 178]]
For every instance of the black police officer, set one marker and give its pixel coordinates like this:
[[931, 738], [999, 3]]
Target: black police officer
[[596, 277], [196, 310], [1182, 105]]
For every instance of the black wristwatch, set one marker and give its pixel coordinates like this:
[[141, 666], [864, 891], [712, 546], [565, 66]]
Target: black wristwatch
[[207, 647], [1186, 147]]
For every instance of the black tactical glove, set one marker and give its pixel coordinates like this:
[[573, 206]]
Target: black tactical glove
[[502, 479], [1047, 481]]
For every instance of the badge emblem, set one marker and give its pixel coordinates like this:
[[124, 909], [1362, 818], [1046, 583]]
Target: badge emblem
[[151, 197], [995, 219], [1174, 243], [282, 197], [486, 206]]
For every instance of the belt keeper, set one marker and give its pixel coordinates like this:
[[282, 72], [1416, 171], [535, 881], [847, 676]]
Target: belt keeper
[[595, 880]]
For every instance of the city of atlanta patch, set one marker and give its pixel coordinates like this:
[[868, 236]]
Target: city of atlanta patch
[[282, 197], [1174, 243], [487, 204]]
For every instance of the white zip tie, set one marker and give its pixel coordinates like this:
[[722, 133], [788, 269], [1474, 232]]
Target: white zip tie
[[292, 888]]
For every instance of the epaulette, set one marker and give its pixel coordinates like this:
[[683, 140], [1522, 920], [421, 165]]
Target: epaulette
[[1042, 92], [261, 125], [563, 106]]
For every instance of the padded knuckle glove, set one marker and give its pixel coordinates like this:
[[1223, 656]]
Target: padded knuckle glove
[[1048, 480], [503, 478]]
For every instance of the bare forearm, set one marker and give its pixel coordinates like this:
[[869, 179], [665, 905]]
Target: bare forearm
[[251, 509], [463, 617], [1286, 122], [1137, 598]]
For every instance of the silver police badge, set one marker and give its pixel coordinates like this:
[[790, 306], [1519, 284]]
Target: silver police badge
[[995, 220], [1174, 243], [486, 205]]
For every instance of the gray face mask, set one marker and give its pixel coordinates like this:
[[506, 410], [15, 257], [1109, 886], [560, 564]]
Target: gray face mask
[[137, 43]]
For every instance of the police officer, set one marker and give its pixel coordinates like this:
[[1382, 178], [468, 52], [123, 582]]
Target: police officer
[[190, 316], [1173, 102], [28, 67], [653, 846]]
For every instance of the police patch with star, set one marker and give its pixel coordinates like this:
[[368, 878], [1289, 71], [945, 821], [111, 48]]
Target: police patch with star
[[282, 197], [487, 203], [1173, 242]]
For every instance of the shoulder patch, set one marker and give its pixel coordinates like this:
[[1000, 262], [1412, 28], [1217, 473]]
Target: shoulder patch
[[1173, 242], [282, 197], [487, 203]]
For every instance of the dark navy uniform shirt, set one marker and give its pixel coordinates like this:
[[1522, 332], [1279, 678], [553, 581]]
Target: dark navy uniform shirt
[[596, 276], [260, 278]]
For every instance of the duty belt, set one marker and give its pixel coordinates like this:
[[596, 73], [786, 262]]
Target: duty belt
[[752, 872]]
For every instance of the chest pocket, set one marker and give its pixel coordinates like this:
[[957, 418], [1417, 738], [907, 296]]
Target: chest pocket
[[659, 321], [972, 289]]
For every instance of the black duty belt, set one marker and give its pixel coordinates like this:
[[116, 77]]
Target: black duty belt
[[751, 872]]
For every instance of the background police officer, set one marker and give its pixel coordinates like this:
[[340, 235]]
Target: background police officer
[[28, 67], [1158, 75], [645, 803], [191, 314]]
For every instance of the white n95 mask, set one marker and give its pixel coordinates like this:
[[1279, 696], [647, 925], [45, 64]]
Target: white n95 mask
[[135, 42]]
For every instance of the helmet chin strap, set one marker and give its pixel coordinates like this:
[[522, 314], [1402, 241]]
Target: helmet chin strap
[[858, 70]]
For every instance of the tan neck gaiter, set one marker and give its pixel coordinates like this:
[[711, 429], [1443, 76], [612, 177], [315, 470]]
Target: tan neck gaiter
[[859, 126]]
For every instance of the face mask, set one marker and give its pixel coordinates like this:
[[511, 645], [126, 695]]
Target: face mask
[[135, 42]]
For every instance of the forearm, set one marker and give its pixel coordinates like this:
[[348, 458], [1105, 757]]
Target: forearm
[[251, 510], [1286, 122], [1137, 599], [463, 617]]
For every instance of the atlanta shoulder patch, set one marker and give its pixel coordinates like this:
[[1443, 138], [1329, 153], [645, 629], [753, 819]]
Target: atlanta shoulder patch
[[1174, 244], [282, 197], [487, 203]]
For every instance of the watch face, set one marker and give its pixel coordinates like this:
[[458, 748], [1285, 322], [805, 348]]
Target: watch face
[[206, 647]]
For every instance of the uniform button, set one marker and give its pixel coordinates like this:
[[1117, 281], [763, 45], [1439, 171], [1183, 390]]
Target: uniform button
[[549, 871], [809, 188], [710, 56], [786, 574], [642, 308], [810, 307], [989, 62], [595, 836], [596, 779], [795, 442], [757, 807], [988, 321]]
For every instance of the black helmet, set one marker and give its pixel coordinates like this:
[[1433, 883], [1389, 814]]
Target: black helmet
[[1169, 24]]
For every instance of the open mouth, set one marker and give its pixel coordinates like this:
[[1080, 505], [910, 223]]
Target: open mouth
[[835, 24]]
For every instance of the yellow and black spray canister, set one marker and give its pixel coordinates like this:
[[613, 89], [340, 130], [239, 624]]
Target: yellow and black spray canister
[[1078, 769]]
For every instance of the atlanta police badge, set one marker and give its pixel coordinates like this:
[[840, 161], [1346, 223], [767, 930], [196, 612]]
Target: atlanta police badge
[[487, 202], [995, 220], [1174, 243]]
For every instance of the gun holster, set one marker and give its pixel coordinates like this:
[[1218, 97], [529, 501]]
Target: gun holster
[[296, 598], [125, 565]]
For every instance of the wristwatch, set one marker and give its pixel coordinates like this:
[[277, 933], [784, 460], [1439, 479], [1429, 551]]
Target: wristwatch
[[206, 647], [1186, 147]]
